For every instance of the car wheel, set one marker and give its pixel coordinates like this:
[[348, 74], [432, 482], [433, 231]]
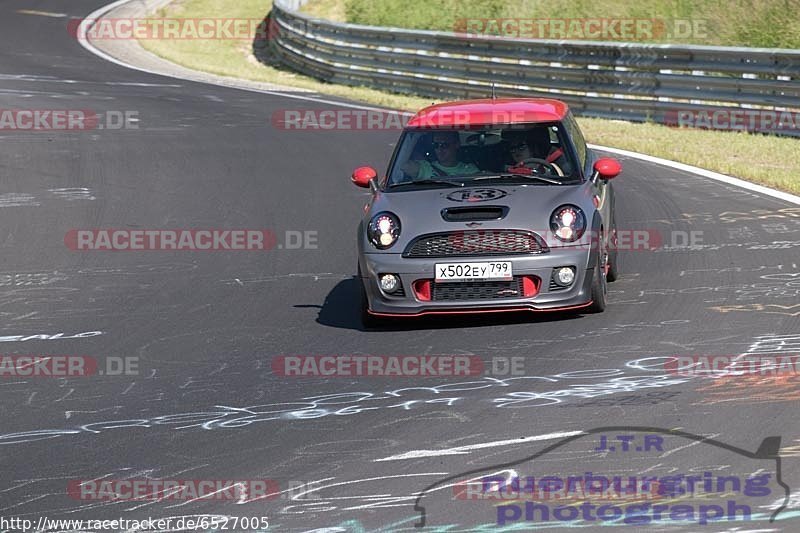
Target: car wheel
[[599, 286], [613, 273]]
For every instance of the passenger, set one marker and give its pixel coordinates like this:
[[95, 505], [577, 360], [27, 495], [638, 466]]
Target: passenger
[[534, 143]]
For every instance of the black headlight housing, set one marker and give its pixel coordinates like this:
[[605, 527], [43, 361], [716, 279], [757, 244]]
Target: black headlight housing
[[383, 230], [568, 223]]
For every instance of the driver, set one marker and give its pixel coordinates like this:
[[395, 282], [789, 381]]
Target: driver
[[534, 143], [445, 146]]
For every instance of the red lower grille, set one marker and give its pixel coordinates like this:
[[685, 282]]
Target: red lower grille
[[461, 291]]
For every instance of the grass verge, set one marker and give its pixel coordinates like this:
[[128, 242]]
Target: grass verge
[[234, 58], [758, 23], [771, 161]]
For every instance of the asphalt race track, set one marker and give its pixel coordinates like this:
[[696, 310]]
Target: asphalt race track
[[346, 454]]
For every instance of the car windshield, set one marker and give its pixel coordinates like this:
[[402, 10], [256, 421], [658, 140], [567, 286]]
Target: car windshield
[[532, 154]]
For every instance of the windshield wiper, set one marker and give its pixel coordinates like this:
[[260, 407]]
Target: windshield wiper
[[516, 175], [428, 182]]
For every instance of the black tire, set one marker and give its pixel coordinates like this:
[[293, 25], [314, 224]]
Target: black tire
[[599, 288], [613, 270]]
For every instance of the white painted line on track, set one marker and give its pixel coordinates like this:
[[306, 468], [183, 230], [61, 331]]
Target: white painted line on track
[[40, 13], [730, 180], [461, 450], [99, 13], [773, 193]]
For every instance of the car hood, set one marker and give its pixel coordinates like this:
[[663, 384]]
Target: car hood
[[525, 207]]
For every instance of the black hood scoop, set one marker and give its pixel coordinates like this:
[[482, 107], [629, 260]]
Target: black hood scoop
[[474, 214]]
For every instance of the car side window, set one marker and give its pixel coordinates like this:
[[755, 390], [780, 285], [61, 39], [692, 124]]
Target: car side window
[[577, 138], [412, 146]]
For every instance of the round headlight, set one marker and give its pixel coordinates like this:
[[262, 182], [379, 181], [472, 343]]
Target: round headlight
[[568, 223], [383, 230]]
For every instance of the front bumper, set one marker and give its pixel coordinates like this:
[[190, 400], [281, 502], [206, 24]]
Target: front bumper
[[541, 266]]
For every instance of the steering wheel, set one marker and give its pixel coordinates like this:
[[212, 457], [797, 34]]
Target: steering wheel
[[535, 164]]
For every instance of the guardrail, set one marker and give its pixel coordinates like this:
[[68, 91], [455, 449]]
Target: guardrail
[[706, 86]]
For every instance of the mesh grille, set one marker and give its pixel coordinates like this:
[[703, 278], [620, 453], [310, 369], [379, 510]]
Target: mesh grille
[[476, 290], [475, 243]]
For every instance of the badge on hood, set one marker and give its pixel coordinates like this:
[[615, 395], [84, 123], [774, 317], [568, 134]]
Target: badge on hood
[[476, 195]]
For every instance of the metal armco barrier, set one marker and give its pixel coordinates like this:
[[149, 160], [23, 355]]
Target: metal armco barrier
[[706, 86]]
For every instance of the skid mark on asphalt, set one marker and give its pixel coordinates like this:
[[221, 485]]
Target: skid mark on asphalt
[[783, 287], [525, 392], [466, 449], [13, 199], [735, 270], [73, 193], [768, 384], [750, 390], [769, 309], [614, 329], [787, 214], [268, 279], [28, 279]]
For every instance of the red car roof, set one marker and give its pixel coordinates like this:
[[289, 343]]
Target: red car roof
[[488, 111]]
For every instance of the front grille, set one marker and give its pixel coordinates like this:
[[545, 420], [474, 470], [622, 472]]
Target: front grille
[[472, 243], [476, 290], [555, 286], [399, 293]]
